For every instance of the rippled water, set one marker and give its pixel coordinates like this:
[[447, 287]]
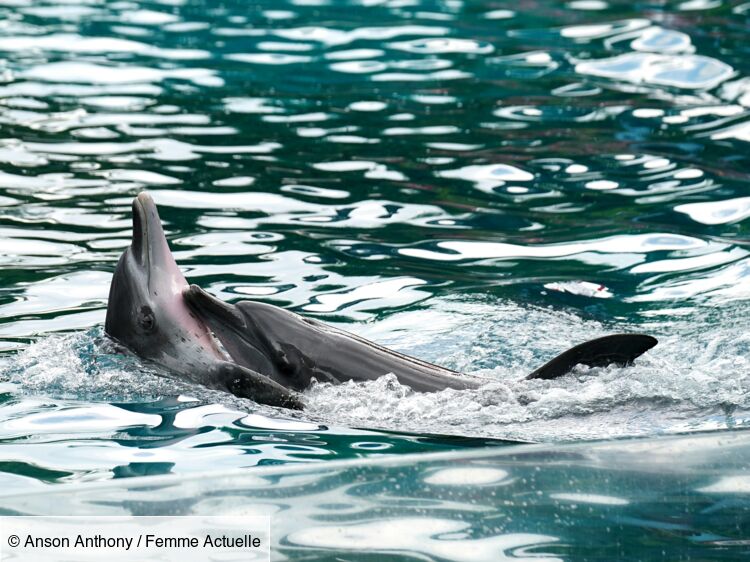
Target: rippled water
[[475, 183], [606, 501]]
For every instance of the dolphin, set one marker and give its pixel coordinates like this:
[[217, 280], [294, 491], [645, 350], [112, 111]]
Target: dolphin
[[146, 313], [267, 353], [293, 350]]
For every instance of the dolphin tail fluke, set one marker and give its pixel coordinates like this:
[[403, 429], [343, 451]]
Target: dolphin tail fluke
[[620, 349], [246, 383]]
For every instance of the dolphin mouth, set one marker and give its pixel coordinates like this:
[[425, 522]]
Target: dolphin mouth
[[236, 333], [208, 307]]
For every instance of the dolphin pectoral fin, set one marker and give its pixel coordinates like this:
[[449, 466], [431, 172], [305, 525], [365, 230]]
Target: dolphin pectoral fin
[[246, 383], [620, 349]]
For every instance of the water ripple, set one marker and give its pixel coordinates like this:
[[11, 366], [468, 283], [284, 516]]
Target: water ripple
[[560, 171]]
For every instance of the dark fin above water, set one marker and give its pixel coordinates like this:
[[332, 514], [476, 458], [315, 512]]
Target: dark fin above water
[[620, 349]]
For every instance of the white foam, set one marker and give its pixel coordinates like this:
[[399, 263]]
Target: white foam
[[686, 382], [680, 385]]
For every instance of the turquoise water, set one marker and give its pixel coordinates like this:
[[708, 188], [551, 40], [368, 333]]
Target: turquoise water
[[622, 500], [478, 184]]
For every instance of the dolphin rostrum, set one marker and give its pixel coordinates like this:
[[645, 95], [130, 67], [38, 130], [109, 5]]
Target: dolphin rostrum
[[268, 353]]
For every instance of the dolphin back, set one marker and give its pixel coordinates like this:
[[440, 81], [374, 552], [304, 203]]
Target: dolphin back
[[290, 350]]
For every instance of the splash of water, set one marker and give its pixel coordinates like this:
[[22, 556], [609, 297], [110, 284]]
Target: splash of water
[[696, 378]]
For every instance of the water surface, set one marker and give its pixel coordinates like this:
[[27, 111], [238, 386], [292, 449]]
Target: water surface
[[626, 500], [475, 183]]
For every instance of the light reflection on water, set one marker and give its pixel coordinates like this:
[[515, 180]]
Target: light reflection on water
[[475, 185], [623, 500]]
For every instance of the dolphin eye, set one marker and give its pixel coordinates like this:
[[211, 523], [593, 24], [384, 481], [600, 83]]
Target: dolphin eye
[[146, 318]]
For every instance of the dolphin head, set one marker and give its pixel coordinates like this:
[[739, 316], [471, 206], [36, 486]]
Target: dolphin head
[[146, 311]]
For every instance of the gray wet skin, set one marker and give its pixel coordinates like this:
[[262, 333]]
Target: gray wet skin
[[273, 352], [146, 313], [292, 349]]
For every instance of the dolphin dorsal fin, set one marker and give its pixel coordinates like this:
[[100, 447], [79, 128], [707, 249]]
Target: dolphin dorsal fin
[[620, 349]]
